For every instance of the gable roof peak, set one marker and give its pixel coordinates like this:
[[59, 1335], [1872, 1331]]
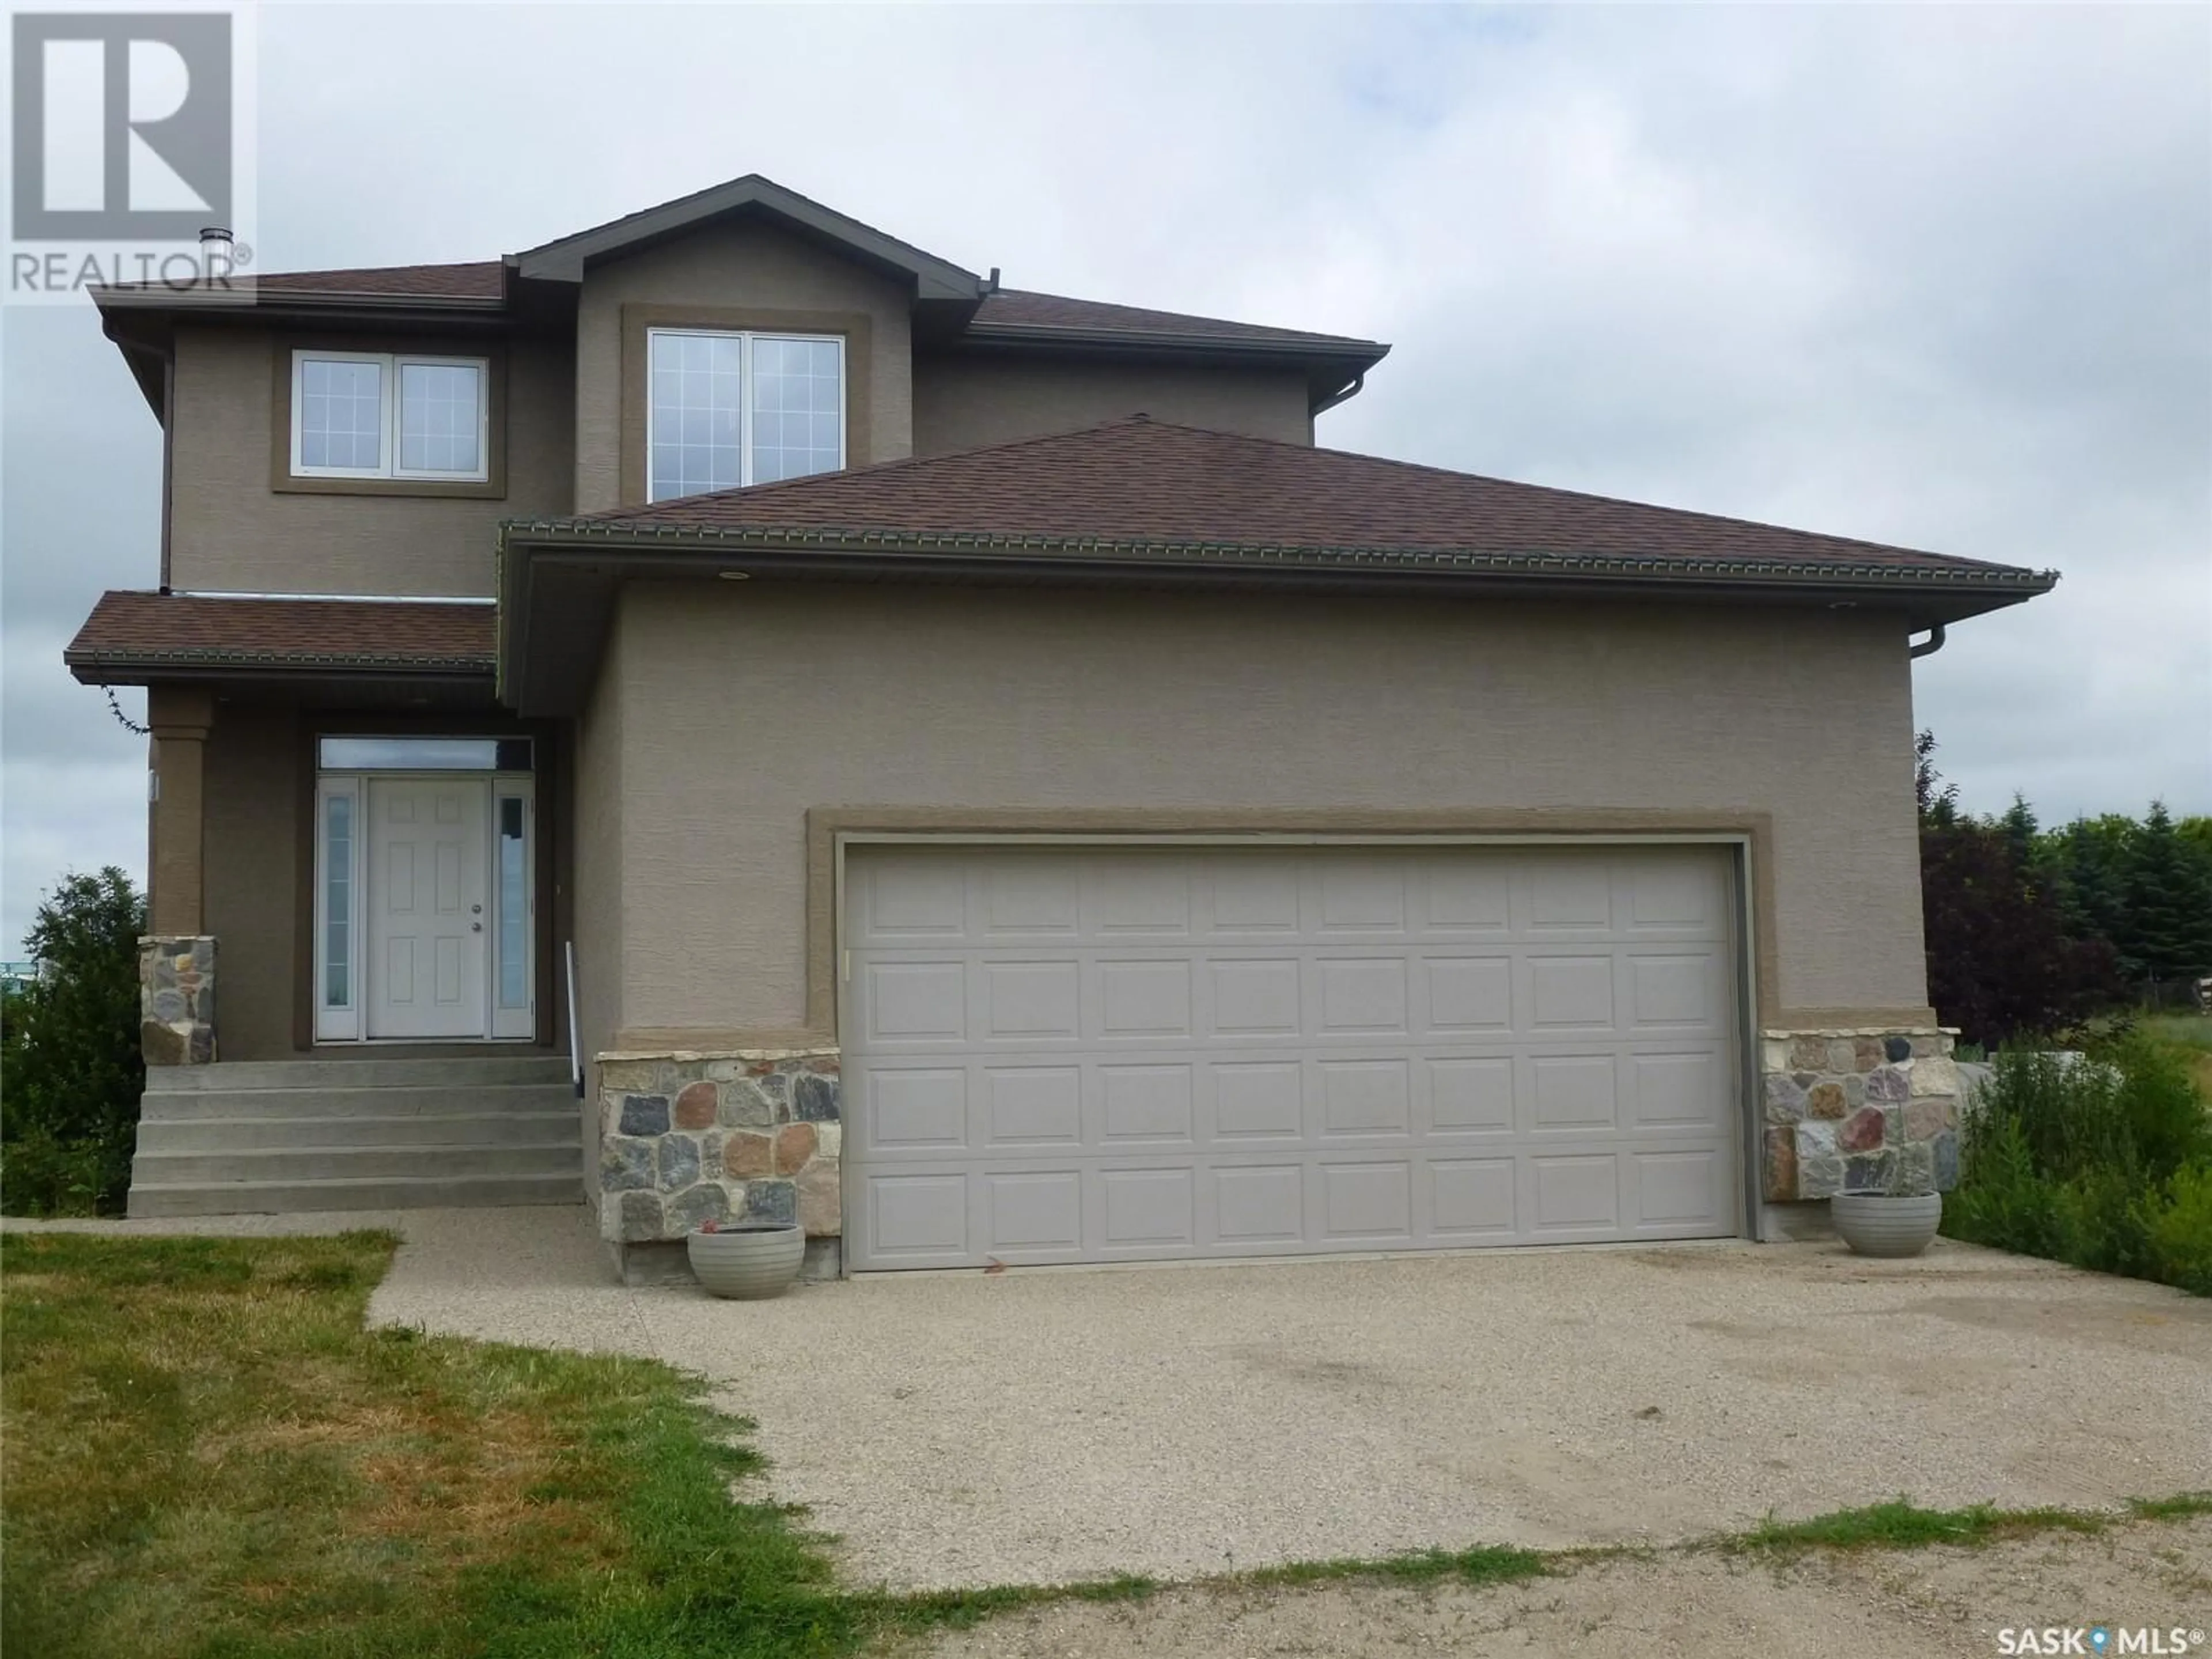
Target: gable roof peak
[[565, 258]]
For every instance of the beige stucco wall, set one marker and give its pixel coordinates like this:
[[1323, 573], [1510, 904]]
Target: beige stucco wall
[[739, 267], [741, 709], [250, 861], [597, 908], [230, 532], [963, 401]]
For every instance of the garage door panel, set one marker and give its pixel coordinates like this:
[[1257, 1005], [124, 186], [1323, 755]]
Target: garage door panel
[[1351, 896], [1566, 892], [902, 1002], [1147, 1209], [1250, 898], [1567, 992], [1262, 1052], [910, 900], [1471, 1200], [1574, 1193], [1259, 1204], [1032, 1106], [1369, 1204], [1361, 997], [1257, 1100], [1470, 1095], [1029, 1211], [1573, 1092], [1145, 1104], [1144, 998], [1245, 997], [1676, 991], [1362, 1098], [1137, 897], [1468, 897], [1684, 1091], [1684, 895], [1668, 1191], [913, 1215], [1466, 995], [911, 1108]]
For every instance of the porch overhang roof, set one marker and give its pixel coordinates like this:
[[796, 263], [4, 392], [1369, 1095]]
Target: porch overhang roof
[[137, 638]]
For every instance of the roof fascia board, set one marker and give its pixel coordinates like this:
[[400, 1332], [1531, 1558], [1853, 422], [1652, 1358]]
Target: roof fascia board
[[564, 260], [1017, 336], [1041, 554], [137, 668]]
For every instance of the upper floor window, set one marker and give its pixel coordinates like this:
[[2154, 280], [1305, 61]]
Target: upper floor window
[[741, 408], [381, 415]]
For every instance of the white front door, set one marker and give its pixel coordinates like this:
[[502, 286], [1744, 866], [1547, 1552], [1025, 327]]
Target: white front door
[[425, 967]]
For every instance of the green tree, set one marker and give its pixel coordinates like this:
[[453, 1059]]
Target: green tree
[[2021, 830], [2169, 900], [2086, 863], [70, 1069]]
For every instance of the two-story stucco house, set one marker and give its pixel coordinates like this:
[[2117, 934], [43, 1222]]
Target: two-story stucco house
[[963, 767]]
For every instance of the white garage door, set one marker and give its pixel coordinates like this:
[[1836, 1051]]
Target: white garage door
[[1127, 1054]]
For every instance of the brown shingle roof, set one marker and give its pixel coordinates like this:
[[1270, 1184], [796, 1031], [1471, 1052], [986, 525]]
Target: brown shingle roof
[[1151, 482], [485, 279], [130, 630], [1019, 309]]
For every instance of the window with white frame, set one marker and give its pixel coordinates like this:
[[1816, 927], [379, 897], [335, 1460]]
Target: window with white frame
[[730, 408], [390, 415]]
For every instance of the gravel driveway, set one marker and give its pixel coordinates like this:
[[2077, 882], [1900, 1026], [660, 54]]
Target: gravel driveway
[[1052, 1424]]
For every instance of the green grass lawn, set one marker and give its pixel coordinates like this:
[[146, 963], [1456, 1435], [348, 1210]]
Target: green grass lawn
[[206, 1453]]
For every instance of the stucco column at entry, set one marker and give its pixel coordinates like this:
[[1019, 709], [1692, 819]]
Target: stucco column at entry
[[180, 717]]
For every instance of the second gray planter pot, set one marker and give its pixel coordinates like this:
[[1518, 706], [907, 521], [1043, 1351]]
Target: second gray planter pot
[[747, 1261], [1874, 1224]]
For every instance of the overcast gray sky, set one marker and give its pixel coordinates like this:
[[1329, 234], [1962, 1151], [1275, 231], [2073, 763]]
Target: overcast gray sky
[[1941, 277]]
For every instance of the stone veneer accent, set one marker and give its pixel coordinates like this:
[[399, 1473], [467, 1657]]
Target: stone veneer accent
[[176, 999], [1864, 1110], [687, 1137]]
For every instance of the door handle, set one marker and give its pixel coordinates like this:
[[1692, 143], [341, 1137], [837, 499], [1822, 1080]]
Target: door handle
[[476, 927], [476, 909]]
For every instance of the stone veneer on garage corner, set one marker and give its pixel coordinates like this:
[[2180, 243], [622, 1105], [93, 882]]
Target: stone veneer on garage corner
[[729, 1135], [176, 999], [1858, 1111]]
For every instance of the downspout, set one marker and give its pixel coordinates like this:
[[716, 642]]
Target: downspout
[[1359, 383], [169, 452], [1932, 644]]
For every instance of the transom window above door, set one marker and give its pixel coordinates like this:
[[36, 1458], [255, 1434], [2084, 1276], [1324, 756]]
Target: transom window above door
[[385, 415], [732, 408]]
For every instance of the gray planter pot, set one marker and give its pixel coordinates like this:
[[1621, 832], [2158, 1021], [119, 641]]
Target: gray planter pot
[[1874, 1224], [747, 1261]]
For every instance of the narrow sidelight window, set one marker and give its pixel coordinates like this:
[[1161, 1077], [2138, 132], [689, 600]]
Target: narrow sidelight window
[[337, 901], [514, 905]]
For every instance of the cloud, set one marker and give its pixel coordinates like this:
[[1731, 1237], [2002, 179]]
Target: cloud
[[1934, 276]]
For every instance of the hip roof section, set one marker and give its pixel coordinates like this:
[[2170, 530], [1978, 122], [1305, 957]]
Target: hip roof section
[[1145, 485]]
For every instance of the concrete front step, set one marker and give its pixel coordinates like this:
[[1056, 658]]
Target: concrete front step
[[281, 1134], [169, 1106], [293, 1197], [467, 1069], [355, 1164]]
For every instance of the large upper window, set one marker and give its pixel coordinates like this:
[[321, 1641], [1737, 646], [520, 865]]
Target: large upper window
[[371, 415], [729, 408]]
